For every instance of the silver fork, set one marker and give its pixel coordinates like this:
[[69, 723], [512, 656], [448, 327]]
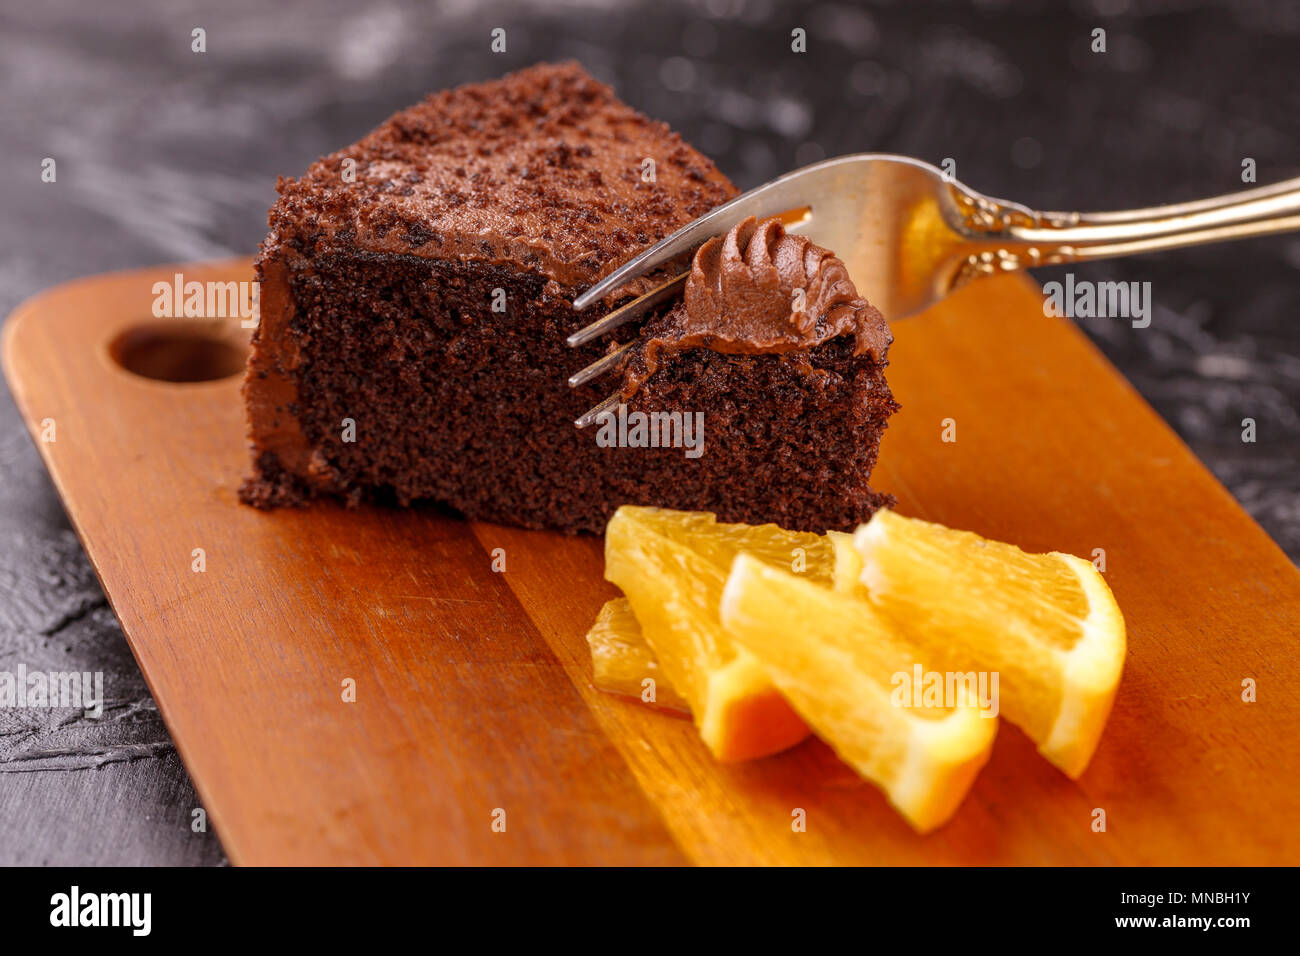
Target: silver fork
[[910, 234]]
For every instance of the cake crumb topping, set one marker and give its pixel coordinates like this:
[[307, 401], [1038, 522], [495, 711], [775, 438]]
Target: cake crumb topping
[[543, 169]]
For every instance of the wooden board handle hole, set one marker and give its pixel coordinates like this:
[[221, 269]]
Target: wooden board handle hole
[[179, 352]]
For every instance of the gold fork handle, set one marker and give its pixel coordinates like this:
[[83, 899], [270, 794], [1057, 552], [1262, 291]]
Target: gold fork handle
[[1053, 237]]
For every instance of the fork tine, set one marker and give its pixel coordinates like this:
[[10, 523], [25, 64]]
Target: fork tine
[[591, 414], [792, 219], [626, 313], [680, 242], [757, 202], [600, 366]]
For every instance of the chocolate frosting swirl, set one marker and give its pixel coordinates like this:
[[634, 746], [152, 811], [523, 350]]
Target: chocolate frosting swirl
[[758, 290]]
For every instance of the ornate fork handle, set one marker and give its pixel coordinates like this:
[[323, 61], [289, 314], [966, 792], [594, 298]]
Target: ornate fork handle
[[1018, 237]]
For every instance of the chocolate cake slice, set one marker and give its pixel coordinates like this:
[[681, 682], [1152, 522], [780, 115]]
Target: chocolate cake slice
[[416, 294]]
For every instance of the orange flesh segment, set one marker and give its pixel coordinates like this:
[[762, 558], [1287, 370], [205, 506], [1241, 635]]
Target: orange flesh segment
[[623, 663], [672, 566], [837, 661], [1046, 623]]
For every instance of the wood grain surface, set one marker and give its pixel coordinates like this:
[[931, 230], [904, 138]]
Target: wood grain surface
[[473, 687]]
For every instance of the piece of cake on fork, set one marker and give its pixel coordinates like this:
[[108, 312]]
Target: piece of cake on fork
[[416, 293]]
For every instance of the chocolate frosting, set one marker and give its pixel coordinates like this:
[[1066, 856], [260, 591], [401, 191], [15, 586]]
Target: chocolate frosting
[[761, 290]]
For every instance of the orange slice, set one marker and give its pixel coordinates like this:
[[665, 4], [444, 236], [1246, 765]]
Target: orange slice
[[839, 663], [672, 566], [623, 663], [1046, 623]]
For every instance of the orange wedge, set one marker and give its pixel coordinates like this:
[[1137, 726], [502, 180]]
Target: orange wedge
[[839, 662], [1046, 623], [623, 663], [672, 566]]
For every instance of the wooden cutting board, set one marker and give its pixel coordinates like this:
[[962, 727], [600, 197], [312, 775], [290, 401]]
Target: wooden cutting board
[[473, 689]]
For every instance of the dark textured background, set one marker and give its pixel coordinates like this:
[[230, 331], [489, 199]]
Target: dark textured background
[[168, 155]]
